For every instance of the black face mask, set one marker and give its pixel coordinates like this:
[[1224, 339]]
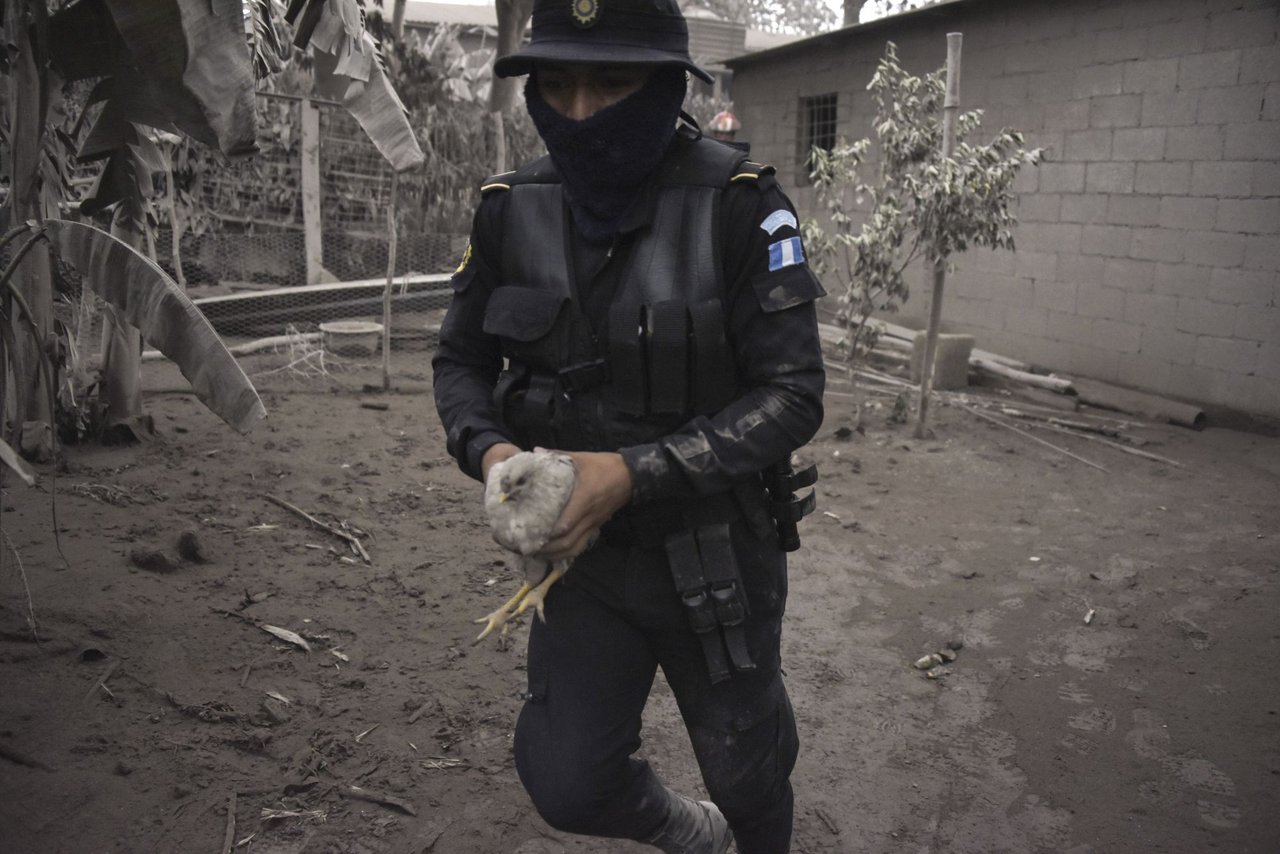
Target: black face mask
[[606, 158]]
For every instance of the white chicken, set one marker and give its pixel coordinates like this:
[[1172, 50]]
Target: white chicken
[[523, 497]]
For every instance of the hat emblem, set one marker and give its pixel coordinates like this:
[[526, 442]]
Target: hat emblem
[[585, 12]]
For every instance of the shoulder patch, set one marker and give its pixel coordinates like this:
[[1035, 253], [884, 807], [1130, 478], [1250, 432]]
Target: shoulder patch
[[779, 218], [466, 259], [785, 253]]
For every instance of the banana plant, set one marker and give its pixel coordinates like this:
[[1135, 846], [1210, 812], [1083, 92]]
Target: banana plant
[[177, 66], [144, 296], [349, 69]]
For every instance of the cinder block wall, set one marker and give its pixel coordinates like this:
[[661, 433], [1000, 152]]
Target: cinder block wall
[[1149, 245]]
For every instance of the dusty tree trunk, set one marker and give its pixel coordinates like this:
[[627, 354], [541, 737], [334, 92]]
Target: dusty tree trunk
[[175, 227], [513, 17], [28, 411], [950, 107], [852, 11], [121, 390], [499, 144], [397, 19]]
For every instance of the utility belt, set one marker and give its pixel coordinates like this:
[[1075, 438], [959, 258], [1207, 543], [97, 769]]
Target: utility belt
[[528, 399], [650, 525]]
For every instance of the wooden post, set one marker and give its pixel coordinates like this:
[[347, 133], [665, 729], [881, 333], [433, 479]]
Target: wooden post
[[391, 275], [311, 194], [397, 19], [950, 108]]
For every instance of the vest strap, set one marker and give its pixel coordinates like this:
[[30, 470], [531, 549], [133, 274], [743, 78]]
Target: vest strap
[[714, 377], [625, 358], [584, 375], [668, 347]]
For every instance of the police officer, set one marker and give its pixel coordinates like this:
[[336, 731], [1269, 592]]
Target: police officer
[[639, 299], [725, 126]]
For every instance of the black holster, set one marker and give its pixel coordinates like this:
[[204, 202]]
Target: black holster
[[786, 508]]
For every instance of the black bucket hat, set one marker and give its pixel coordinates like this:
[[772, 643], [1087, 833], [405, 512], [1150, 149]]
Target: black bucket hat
[[617, 32]]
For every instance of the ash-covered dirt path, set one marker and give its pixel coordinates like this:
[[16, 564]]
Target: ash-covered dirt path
[[1153, 727]]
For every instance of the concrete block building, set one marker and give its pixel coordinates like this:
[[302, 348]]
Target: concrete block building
[[1149, 245]]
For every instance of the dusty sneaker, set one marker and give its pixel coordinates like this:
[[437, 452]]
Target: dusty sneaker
[[692, 827]]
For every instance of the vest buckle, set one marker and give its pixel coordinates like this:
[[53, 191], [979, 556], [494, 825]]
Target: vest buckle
[[583, 375]]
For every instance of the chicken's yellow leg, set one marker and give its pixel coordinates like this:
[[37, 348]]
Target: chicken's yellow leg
[[498, 619], [537, 595]]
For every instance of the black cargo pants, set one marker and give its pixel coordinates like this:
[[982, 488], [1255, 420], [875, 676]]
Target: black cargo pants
[[610, 623]]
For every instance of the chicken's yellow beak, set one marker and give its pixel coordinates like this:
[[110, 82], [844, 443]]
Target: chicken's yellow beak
[[503, 496]]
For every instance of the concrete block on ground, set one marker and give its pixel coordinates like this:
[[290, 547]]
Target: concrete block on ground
[[950, 361]]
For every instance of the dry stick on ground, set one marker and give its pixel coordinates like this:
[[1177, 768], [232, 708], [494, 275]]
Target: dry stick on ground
[[882, 377], [988, 417], [379, 798], [1067, 423], [337, 532], [22, 574], [21, 758], [1105, 425], [1061, 385], [1116, 422], [101, 681], [868, 389], [229, 837], [1050, 425]]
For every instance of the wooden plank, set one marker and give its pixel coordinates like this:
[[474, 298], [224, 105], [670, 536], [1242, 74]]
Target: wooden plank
[[1150, 406]]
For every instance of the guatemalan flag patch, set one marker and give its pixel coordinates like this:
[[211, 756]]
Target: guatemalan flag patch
[[778, 219], [784, 253]]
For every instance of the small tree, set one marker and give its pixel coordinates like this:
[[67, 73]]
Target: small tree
[[921, 206]]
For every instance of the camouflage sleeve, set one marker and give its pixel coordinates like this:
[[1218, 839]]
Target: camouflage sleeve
[[772, 328]]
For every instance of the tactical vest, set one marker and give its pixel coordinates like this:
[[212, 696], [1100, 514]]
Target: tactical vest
[[664, 356]]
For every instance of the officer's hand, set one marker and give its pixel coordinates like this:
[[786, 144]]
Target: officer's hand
[[496, 454], [603, 487]]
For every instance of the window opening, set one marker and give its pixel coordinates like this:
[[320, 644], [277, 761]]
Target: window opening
[[817, 129]]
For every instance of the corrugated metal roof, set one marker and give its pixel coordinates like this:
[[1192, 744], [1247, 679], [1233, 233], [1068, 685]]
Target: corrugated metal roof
[[842, 33], [418, 12], [714, 40], [711, 39], [758, 40]]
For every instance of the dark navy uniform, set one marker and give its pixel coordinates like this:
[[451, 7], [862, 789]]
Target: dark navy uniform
[[688, 344]]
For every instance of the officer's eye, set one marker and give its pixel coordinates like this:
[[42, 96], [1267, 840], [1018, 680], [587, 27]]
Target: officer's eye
[[553, 82], [621, 81]]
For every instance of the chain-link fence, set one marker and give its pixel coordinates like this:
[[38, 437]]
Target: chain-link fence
[[283, 285]]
